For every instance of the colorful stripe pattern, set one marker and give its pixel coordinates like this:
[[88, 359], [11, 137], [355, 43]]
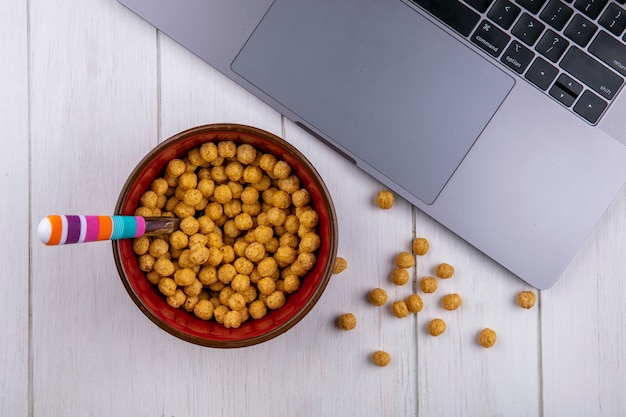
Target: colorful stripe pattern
[[63, 230]]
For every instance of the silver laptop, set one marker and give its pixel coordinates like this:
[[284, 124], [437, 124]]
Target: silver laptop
[[503, 120]]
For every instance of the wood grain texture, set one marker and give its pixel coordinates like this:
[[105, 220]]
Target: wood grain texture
[[91, 89], [583, 322], [14, 187]]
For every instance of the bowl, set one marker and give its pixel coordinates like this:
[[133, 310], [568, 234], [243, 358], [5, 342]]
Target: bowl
[[185, 325]]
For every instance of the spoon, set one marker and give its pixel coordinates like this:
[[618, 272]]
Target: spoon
[[66, 229]]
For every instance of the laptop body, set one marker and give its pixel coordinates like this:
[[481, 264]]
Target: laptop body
[[434, 108]]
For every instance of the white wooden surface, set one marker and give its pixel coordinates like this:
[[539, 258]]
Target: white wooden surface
[[87, 89]]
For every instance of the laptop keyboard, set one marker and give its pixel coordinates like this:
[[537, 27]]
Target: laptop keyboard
[[574, 50]]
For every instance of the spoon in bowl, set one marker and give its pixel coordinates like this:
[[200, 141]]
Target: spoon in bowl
[[65, 229]]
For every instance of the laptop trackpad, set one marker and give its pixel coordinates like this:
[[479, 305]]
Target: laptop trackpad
[[378, 79]]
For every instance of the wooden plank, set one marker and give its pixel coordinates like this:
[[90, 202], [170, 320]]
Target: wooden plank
[[457, 376], [583, 326], [93, 113], [14, 186]]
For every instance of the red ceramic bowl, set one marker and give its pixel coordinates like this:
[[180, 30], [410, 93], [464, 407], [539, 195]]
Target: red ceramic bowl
[[178, 321]]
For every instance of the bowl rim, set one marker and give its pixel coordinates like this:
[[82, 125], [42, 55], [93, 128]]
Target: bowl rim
[[327, 202]]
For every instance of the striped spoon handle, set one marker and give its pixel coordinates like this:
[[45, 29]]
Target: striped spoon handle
[[66, 229]]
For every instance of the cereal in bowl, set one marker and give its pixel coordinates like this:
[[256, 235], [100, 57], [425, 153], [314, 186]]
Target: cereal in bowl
[[247, 236]]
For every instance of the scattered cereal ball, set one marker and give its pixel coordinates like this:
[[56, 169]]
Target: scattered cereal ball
[[347, 321], [487, 337], [526, 299], [400, 309], [257, 309], [444, 270], [428, 285], [405, 260], [381, 358], [232, 319], [275, 300], [414, 303], [385, 199], [436, 327], [419, 246], [340, 265], [378, 297], [451, 301], [400, 276]]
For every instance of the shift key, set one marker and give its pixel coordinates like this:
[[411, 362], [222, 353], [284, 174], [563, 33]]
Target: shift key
[[599, 78]]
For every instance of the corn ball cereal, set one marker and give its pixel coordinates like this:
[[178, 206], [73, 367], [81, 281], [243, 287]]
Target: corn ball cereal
[[400, 309], [414, 303], [247, 237], [444, 270], [451, 301], [487, 337], [378, 297], [419, 246], [405, 260], [428, 285], [385, 199], [340, 265], [436, 327], [526, 299], [347, 321], [381, 358], [400, 276]]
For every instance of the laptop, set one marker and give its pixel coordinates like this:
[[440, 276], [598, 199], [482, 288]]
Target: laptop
[[503, 120]]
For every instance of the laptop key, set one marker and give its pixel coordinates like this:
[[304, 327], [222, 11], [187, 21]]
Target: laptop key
[[517, 57], [541, 73], [568, 84], [580, 30], [532, 6], [490, 38], [504, 13], [586, 69], [613, 19], [556, 14], [590, 107], [453, 13], [480, 5], [527, 29], [610, 51], [562, 95], [552, 45], [591, 8]]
